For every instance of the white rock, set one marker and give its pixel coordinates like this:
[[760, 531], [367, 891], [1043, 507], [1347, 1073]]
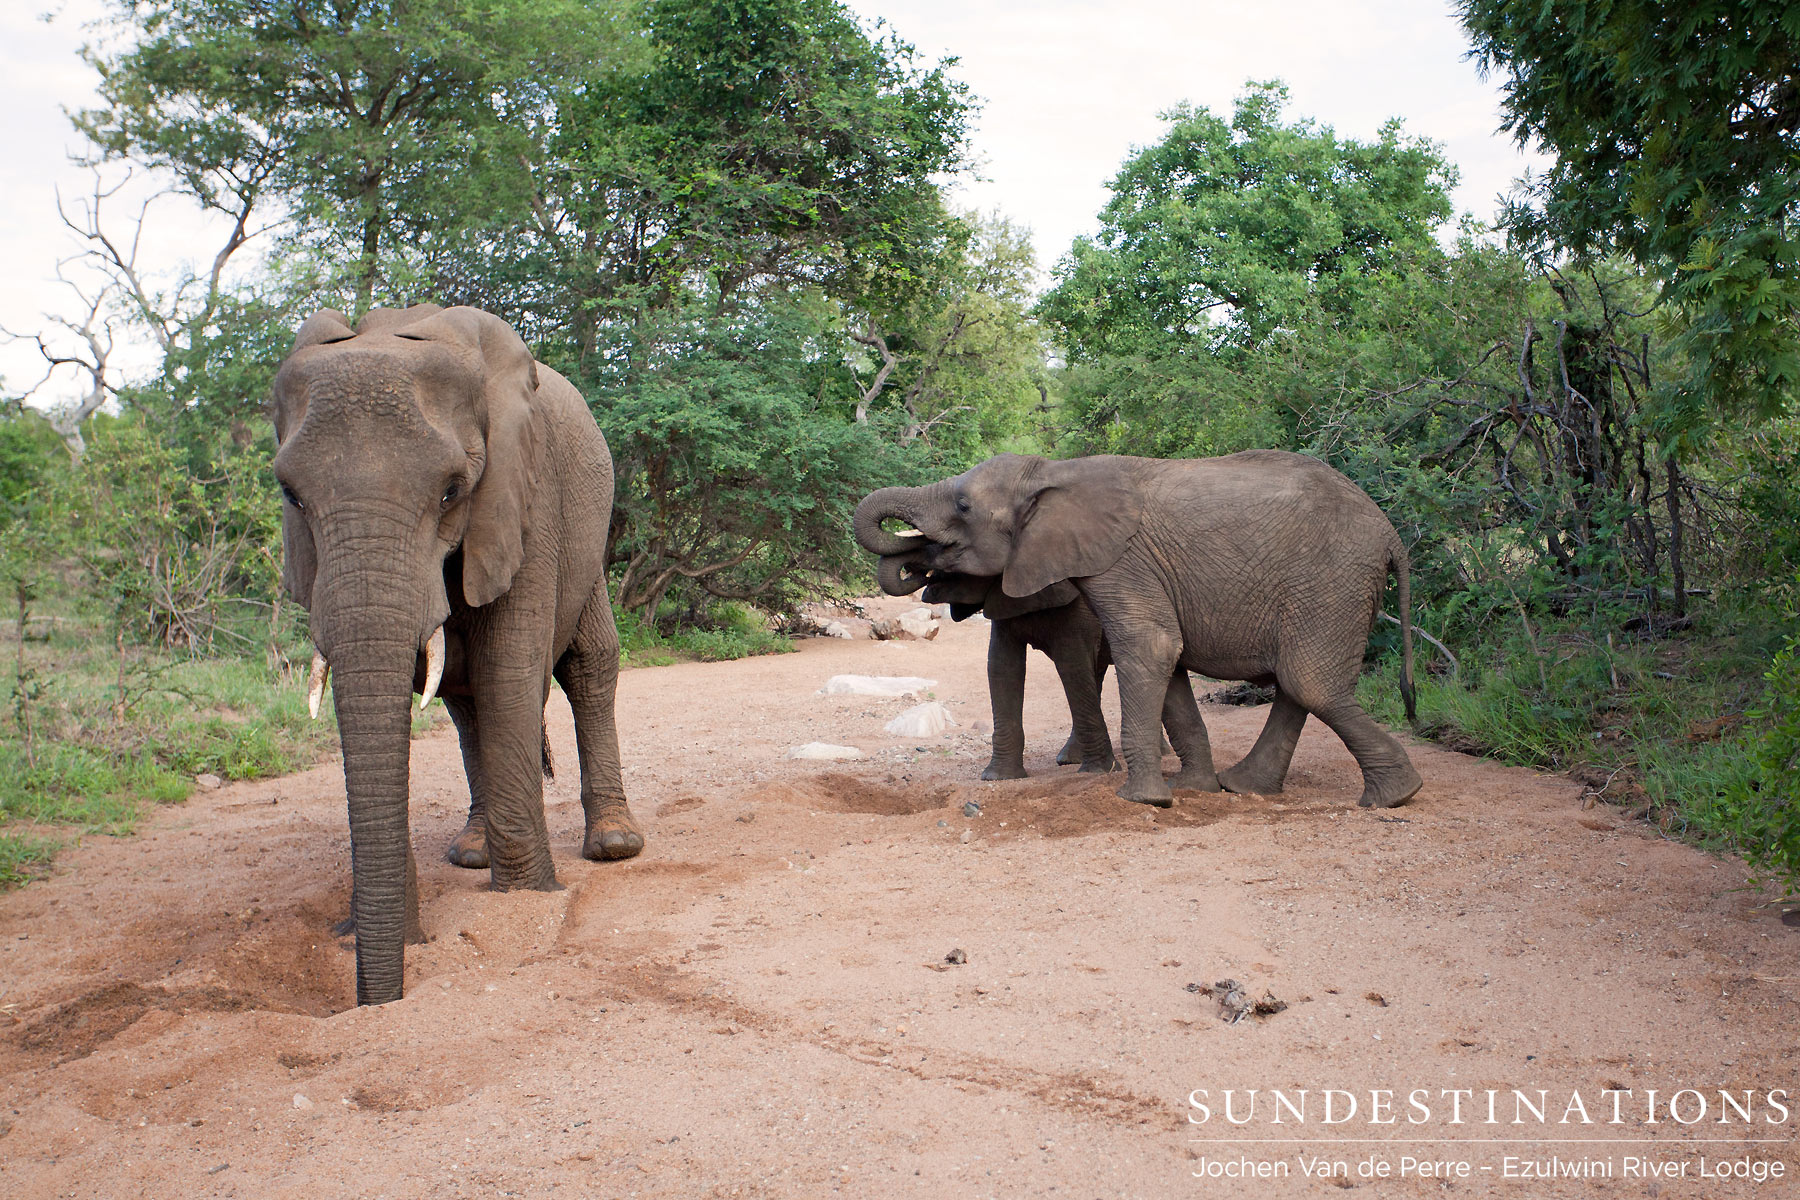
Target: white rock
[[825, 750], [922, 720], [919, 624], [940, 611], [301, 1102], [836, 629], [208, 782], [876, 685]]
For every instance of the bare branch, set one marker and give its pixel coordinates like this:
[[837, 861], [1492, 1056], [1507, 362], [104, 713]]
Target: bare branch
[[889, 360]]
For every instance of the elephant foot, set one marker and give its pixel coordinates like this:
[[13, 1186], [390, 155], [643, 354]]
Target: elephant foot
[[612, 833], [469, 849], [1393, 789], [1156, 794], [1245, 779], [1099, 766], [1196, 780], [541, 880], [1003, 770], [1070, 753]]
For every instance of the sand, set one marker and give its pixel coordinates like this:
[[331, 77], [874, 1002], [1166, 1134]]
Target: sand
[[763, 1003]]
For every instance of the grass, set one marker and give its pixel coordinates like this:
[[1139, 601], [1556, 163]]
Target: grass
[[1663, 726], [23, 859], [733, 632], [116, 730]]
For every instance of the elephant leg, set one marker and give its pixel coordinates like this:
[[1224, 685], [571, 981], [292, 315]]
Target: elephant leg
[[510, 699], [1264, 770], [1144, 671], [469, 848], [1081, 673], [1388, 774], [1181, 717], [589, 674], [1006, 693]]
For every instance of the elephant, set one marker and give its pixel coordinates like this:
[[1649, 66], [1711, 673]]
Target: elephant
[[1058, 622], [1264, 565], [445, 509]]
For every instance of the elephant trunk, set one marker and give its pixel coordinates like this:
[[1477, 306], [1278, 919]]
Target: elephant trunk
[[877, 506], [372, 687], [900, 575], [368, 630]]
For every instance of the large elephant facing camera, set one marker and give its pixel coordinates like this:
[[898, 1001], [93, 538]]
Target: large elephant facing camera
[[1264, 565], [445, 520]]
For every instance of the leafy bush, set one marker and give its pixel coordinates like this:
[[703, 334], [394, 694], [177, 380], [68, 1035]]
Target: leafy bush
[[732, 631], [1757, 809], [735, 479], [174, 551]]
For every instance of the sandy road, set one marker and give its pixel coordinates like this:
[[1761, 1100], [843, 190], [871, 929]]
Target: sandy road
[[760, 1005]]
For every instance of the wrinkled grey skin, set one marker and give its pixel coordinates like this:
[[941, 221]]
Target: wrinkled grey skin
[[433, 474], [1058, 622], [1264, 566]]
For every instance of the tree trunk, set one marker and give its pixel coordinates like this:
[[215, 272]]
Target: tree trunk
[[1677, 567], [366, 267]]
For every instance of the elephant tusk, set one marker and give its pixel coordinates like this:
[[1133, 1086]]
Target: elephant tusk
[[434, 666], [315, 688]]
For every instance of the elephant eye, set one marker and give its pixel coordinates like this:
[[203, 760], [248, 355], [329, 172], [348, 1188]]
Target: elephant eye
[[962, 504], [450, 494], [287, 493]]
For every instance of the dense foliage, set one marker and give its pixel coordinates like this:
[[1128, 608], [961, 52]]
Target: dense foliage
[[1676, 129]]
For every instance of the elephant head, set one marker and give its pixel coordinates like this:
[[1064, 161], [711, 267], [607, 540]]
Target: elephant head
[[407, 461], [1028, 522], [970, 594]]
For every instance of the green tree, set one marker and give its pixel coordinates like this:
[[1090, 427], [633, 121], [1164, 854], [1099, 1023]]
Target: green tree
[[1241, 271], [1224, 234], [1676, 129], [745, 146], [734, 476], [960, 361], [372, 124]]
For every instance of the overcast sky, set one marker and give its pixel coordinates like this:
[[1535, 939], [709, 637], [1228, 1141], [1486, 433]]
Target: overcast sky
[[1068, 88]]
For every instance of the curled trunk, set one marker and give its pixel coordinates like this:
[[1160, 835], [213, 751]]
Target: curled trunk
[[877, 506], [900, 575]]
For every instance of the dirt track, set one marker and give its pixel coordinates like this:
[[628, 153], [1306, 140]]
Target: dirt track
[[760, 1005]]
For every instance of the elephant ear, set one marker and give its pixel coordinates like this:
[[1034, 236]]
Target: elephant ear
[[1002, 607], [1075, 520], [500, 507], [299, 561]]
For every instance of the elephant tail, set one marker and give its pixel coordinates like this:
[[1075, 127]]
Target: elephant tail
[[1397, 563], [549, 760]]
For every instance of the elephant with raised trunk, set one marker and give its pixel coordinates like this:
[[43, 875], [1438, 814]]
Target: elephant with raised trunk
[[1263, 565], [445, 518]]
